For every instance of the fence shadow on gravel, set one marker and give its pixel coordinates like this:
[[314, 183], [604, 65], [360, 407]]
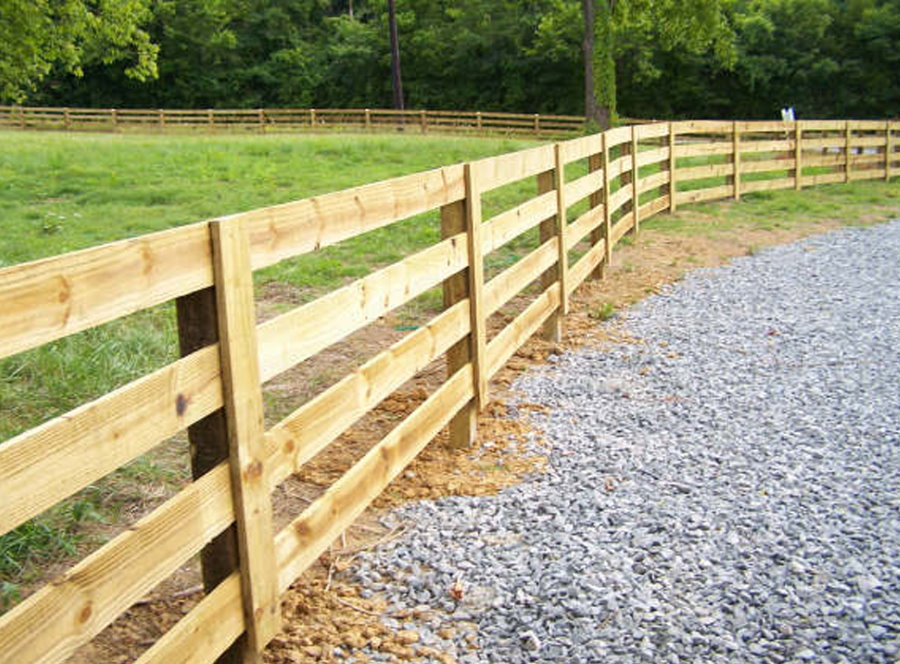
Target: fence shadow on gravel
[[214, 390]]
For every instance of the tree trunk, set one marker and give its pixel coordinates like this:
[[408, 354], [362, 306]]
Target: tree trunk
[[396, 79], [587, 49], [599, 65]]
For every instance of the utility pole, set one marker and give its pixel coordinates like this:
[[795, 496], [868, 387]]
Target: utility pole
[[396, 79]]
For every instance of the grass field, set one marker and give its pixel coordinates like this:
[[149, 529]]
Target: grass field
[[63, 192]]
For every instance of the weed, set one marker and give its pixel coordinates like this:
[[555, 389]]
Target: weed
[[605, 312]]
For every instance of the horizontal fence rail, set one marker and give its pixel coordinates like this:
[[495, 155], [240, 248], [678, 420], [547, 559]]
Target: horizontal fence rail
[[628, 174], [265, 120]]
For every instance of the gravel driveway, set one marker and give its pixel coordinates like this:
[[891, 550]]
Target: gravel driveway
[[727, 489]]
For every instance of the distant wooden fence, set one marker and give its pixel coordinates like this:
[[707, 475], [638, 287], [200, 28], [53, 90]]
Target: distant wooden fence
[[287, 119], [632, 174]]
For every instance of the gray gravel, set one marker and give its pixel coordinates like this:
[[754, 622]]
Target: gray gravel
[[725, 490]]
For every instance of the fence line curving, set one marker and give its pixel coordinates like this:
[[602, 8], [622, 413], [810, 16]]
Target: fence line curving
[[631, 174]]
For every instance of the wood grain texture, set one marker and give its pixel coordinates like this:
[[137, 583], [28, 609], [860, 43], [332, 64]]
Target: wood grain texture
[[76, 606], [546, 182], [580, 188], [580, 148], [562, 226], [652, 156], [54, 297], [767, 185], [494, 172], [509, 283], [703, 149], [697, 195], [511, 338], [766, 165], [607, 209], [653, 181], [652, 130], [586, 223], [583, 267], [507, 225], [475, 273]]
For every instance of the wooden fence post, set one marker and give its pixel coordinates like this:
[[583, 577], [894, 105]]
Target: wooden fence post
[[847, 134], [198, 328], [210, 119], [635, 182], [736, 159], [368, 119], [475, 281], [312, 117], [244, 415], [673, 205], [114, 115], [546, 182], [22, 123], [423, 121], [261, 114], [478, 122], [456, 288], [162, 118], [595, 163], [537, 123], [798, 155], [888, 150], [607, 213], [67, 122]]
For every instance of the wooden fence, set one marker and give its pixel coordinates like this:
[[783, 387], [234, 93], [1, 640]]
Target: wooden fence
[[632, 173], [265, 120]]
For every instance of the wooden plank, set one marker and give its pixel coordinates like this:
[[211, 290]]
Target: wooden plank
[[768, 185], [51, 298], [36, 467], [619, 198], [510, 224], [285, 231], [766, 126], [702, 127], [586, 264], [596, 163], [586, 223], [824, 125], [245, 414], [861, 159], [635, 182], [697, 195], [562, 224], [503, 287], [655, 206], [848, 136], [867, 174], [888, 150], [766, 165], [582, 147], [551, 276], [867, 141], [301, 333], [824, 143], [607, 211], [617, 136], [652, 130], [309, 429], [304, 539], [654, 181], [205, 632], [494, 172], [76, 606], [463, 426], [798, 155], [673, 169], [780, 145], [579, 189], [475, 273], [514, 335], [619, 166], [867, 125], [702, 149], [622, 226], [736, 165], [823, 178], [654, 156]]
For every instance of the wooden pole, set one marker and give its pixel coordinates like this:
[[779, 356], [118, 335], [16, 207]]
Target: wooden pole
[[736, 159], [368, 115], [798, 155], [161, 114], [607, 213], [22, 123], [888, 150], [635, 183], [396, 77], [673, 205], [463, 425], [562, 226], [546, 231], [475, 274], [595, 163], [198, 328], [261, 115], [847, 133], [478, 120], [239, 355], [67, 123], [114, 115], [312, 117], [423, 121], [210, 119]]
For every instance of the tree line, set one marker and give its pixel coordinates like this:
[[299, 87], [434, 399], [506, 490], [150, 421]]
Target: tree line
[[643, 58]]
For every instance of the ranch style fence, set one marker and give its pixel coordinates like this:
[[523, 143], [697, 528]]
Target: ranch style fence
[[632, 173], [266, 120]]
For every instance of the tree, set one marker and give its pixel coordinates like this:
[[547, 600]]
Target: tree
[[396, 77], [38, 35], [693, 26]]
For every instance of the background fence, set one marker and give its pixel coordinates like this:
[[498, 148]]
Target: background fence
[[287, 119], [629, 174]]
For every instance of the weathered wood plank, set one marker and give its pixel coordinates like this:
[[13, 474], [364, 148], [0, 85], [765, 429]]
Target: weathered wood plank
[[655, 206], [622, 226], [299, 334], [36, 467], [867, 174], [562, 226], [780, 145], [76, 606], [51, 298], [551, 276], [706, 171], [244, 412], [304, 539]]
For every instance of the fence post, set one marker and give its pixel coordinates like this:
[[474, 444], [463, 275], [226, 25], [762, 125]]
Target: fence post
[[475, 280], [244, 416], [368, 115], [262, 120], [114, 114], [456, 288], [312, 117], [67, 123], [562, 226], [847, 133], [537, 123], [547, 230], [798, 155], [635, 183], [22, 123], [210, 118], [888, 150], [423, 121], [673, 205], [595, 163], [198, 328], [478, 122], [736, 159], [607, 213]]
